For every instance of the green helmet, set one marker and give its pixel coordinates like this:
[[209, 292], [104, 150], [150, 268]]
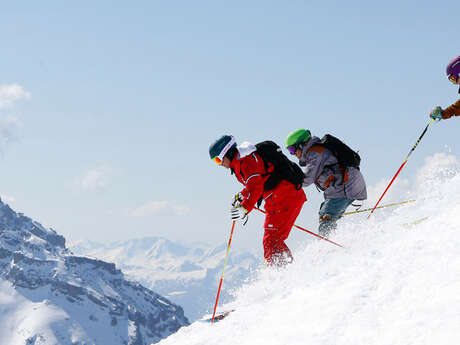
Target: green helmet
[[297, 137]]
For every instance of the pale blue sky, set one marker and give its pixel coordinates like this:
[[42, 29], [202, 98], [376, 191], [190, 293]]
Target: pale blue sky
[[125, 98]]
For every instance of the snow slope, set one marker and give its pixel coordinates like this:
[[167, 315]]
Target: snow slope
[[187, 274], [396, 282]]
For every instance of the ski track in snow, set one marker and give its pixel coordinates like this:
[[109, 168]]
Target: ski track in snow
[[391, 285]]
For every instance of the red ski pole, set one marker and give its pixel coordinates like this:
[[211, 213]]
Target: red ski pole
[[402, 165], [312, 233], [223, 270], [303, 229]]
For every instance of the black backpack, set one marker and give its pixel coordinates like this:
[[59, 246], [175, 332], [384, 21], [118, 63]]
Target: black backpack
[[284, 169], [345, 155]]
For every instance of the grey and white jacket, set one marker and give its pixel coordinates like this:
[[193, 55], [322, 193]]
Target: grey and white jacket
[[321, 167]]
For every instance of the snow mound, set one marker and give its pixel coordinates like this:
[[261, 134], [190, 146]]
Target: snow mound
[[397, 280]]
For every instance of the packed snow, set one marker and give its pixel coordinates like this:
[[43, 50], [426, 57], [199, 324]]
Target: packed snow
[[397, 280]]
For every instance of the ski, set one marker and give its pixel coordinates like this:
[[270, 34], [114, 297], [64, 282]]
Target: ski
[[218, 317], [414, 223]]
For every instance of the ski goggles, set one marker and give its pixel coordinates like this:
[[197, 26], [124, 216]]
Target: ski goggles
[[453, 78], [292, 149], [217, 160], [220, 158]]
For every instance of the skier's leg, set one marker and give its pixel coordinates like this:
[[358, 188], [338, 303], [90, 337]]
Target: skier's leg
[[273, 241], [278, 225], [330, 211]]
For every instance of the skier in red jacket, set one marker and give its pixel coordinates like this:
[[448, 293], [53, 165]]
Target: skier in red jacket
[[283, 203]]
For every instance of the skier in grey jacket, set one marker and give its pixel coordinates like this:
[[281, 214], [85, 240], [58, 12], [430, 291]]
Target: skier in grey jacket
[[322, 168]]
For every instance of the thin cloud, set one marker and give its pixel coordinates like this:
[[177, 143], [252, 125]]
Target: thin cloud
[[8, 131], [96, 180], [10, 94], [160, 208]]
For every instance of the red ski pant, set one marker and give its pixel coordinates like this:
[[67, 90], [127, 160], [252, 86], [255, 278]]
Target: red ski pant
[[278, 225]]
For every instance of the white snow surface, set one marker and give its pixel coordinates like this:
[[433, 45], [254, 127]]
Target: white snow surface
[[392, 284], [25, 321]]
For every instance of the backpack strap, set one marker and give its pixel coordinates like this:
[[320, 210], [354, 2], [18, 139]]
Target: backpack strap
[[318, 148]]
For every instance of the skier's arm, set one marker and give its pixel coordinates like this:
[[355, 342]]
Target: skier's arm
[[254, 182], [312, 168], [254, 189], [453, 110]]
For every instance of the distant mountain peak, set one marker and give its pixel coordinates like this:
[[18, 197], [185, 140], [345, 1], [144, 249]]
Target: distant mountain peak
[[187, 273]]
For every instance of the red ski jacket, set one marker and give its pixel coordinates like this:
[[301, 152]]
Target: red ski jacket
[[250, 171]]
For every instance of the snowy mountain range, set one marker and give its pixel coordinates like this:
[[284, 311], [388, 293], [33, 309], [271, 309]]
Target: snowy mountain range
[[188, 274], [49, 296]]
